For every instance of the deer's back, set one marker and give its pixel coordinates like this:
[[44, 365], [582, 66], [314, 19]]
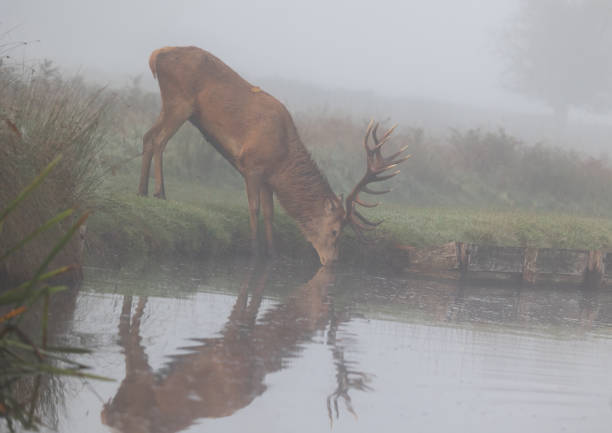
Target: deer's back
[[228, 110]]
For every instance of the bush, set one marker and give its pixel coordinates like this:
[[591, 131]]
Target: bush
[[43, 115]]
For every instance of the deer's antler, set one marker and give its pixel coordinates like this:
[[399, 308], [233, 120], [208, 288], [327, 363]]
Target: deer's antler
[[377, 165]]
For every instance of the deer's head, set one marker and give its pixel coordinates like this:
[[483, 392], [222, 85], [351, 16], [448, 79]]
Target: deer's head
[[326, 230]]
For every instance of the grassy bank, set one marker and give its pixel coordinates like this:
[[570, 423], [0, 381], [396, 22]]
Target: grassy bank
[[421, 227], [196, 222], [199, 221]]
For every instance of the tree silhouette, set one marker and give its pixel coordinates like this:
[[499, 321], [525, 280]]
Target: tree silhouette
[[560, 52]]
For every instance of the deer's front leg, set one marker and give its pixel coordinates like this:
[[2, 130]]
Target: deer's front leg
[[267, 204], [253, 188]]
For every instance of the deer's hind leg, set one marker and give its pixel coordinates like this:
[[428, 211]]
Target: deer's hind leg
[[147, 156], [154, 143]]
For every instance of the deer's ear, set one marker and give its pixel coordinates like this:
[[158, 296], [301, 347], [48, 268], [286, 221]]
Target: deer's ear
[[329, 206]]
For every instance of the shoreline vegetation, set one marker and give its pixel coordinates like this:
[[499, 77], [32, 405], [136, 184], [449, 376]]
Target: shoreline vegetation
[[29, 355], [204, 222], [477, 186]]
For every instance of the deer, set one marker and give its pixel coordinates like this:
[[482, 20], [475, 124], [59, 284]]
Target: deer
[[255, 132], [223, 374]]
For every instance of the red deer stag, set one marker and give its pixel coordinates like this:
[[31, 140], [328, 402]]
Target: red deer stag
[[256, 134]]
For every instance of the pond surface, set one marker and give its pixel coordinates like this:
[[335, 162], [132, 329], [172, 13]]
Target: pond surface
[[232, 347]]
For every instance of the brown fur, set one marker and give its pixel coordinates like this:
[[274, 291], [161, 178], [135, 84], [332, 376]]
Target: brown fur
[[300, 185]]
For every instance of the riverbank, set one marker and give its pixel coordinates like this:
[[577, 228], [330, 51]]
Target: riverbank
[[198, 222]]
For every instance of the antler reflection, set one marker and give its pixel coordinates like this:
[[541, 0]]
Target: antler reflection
[[347, 379]]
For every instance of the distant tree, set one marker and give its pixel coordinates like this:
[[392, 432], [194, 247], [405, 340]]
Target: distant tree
[[560, 52], [48, 71]]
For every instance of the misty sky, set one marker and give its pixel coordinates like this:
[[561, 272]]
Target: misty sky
[[440, 49]]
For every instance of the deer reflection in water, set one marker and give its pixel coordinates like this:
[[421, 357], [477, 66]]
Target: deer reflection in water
[[224, 374]]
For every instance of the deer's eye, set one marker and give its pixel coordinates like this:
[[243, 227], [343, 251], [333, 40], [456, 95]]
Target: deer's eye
[[334, 232]]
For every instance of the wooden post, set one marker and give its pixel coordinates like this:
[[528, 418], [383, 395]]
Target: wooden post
[[593, 274], [463, 257], [530, 256]]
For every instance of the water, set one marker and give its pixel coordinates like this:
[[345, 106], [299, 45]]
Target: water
[[227, 347]]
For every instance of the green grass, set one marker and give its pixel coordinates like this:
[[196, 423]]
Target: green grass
[[134, 224], [195, 221], [423, 227], [198, 221]]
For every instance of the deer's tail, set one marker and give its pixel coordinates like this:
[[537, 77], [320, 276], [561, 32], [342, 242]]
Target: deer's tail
[[153, 63], [153, 60]]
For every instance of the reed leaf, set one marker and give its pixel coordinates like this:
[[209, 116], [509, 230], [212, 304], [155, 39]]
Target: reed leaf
[[28, 190], [50, 223]]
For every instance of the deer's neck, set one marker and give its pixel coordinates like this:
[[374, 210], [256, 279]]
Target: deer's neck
[[300, 186]]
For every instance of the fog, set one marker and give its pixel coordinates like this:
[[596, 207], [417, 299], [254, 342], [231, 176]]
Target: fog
[[391, 58]]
